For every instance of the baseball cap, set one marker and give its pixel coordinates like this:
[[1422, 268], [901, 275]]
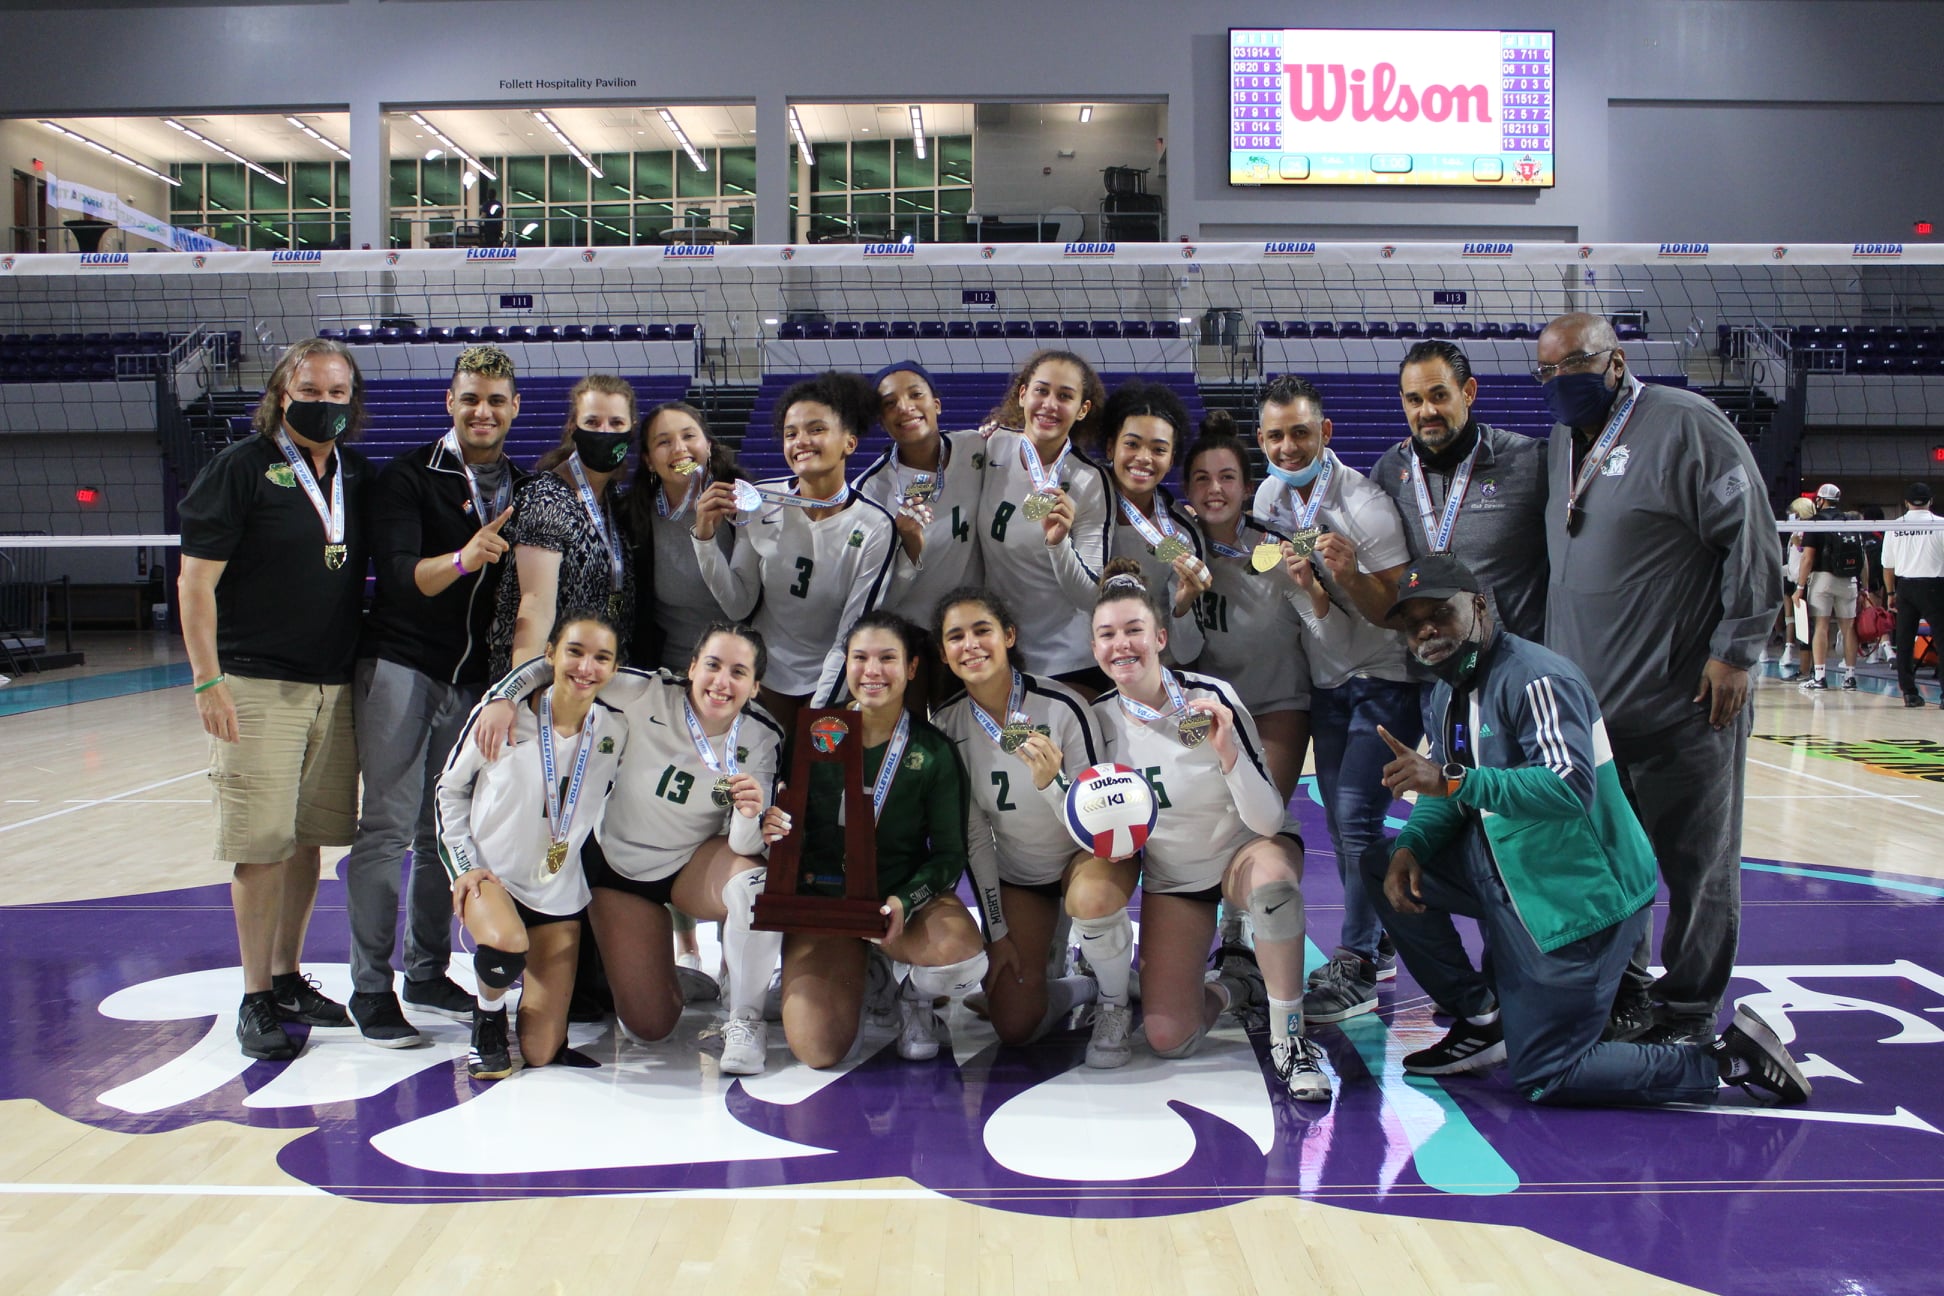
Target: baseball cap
[[1829, 491], [1434, 576], [1918, 493]]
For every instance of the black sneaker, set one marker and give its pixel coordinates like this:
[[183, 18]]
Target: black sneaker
[[258, 1031], [1849, 680], [1680, 1030], [490, 1059], [1631, 1017], [1386, 960], [440, 996], [298, 1000], [1751, 1055], [1913, 699], [380, 1021], [1465, 1047]]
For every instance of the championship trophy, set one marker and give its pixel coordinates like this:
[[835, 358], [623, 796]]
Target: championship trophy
[[831, 736]]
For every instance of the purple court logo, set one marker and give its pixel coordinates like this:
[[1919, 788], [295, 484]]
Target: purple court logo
[[135, 1035]]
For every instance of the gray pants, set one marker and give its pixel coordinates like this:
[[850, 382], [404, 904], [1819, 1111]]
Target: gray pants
[[1686, 784], [407, 723]]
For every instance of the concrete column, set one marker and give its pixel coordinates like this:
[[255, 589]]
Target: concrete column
[[773, 168], [370, 175]]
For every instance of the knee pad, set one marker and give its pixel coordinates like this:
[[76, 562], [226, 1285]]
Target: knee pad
[[1276, 908], [1186, 1048], [739, 896], [495, 968], [1105, 938], [952, 980]]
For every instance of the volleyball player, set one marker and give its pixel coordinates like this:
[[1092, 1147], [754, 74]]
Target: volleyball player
[[568, 550], [1224, 838], [929, 483], [1043, 512], [1252, 633], [917, 789], [1022, 739], [510, 832], [679, 460], [1146, 428], [684, 828], [814, 555]]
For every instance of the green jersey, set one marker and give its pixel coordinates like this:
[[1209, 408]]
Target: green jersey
[[920, 834]]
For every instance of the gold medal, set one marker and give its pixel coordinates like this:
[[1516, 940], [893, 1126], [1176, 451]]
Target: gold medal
[[1039, 504], [334, 555], [1194, 728], [722, 793], [1014, 736], [1304, 541], [1171, 548], [1265, 556], [689, 467], [920, 491], [556, 856]]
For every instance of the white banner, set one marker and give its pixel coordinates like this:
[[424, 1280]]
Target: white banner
[[71, 195]]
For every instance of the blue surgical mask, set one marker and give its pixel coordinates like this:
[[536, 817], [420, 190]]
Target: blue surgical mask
[[1579, 400], [1301, 477]]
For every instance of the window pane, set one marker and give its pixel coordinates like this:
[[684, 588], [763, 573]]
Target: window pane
[[311, 229], [738, 171], [225, 187], [919, 228], [829, 217], [612, 225], [871, 215], [343, 170], [310, 186], [693, 183], [955, 160], [617, 177], [952, 206], [524, 224], [404, 184], [566, 226], [439, 183], [189, 195], [915, 200], [266, 193], [742, 222], [401, 234], [566, 180], [871, 164], [526, 180], [654, 175], [914, 171], [830, 167], [955, 200], [270, 231], [651, 219]]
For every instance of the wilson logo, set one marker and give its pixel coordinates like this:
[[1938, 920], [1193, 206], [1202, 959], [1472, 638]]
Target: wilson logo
[[1088, 250], [1321, 91], [104, 259], [1285, 247], [1488, 249], [1877, 250], [493, 254], [296, 258], [1683, 249]]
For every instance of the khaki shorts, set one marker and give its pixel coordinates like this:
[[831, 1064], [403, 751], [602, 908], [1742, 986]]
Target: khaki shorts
[[291, 778], [1832, 595]]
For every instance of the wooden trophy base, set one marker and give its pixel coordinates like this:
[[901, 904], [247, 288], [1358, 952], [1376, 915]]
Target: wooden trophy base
[[819, 916]]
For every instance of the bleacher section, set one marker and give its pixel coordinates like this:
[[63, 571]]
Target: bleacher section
[[1334, 346], [974, 345], [570, 349], [1859, 349], [87, 357]]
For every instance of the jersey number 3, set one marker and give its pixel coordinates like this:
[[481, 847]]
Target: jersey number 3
[[804, 567]]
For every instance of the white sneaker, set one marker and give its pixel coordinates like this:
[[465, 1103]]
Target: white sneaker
[[880, 992], [745, 1046], [917, 1029], [697, 986], [1299, 1065], [688, 960], [1109, 1046]]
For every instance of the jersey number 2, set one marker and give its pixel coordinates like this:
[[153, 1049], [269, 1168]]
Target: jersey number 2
[[1004, 784]]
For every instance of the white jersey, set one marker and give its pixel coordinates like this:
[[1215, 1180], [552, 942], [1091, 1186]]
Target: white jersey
[[1125, 541], [950, 557], [1205, 816], [1050, 588], [802, 583], [1016, 833], [1252, 634], [1344, 644], [493, 816], [683, 603]]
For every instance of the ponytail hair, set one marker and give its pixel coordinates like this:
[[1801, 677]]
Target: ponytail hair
[[1218, 433], [1120, 580]]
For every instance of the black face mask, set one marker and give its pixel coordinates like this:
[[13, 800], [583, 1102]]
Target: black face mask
[[601, 451], [318, 420]]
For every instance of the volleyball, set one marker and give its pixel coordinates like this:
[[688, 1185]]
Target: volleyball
[[1110, 810]]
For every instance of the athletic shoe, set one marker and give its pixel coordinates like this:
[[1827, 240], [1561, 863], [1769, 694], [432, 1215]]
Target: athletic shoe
[[1913, 699], [773, 997], [1344, 987], [1109, 1047], [880, 991], [1631, 1017], [1814, 684], [917, 1027], [1236, 964], [1465, 1047], [298, 1000], [1849, 680], [1681, 1030], [688, 960], [379, 1020], [441, 997], [696, 985], [258, 1031], [490, 1058], [1751, 1055], [1790, 672], [1386, 960], [1299, 1066], [745, 1046]]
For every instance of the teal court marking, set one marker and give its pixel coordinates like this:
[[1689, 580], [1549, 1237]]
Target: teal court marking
[[22, 698]]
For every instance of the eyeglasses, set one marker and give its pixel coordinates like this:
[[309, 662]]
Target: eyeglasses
[[1571, 364]]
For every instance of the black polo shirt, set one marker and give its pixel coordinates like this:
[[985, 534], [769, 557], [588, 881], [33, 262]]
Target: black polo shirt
[[421, 506], [281, 612]]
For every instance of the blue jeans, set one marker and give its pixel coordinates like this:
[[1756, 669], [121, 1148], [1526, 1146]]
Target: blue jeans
[[1350, 760], [1554, 1003]]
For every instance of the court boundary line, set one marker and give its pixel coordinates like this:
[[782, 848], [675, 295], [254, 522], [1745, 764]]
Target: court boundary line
[[89, 805], [1847, 787]]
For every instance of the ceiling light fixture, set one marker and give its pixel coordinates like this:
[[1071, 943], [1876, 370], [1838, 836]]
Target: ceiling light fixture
[[566, 143], [681, 137], [918, 129], [1086, 114], [796, 129], [327, 143], [263, 171], [469, 159], [122, 158]]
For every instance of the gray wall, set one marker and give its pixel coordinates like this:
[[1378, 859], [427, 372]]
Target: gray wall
[[1746, 120]]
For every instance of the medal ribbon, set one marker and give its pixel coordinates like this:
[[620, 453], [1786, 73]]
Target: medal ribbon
[[1045, 479], [750, 497], [893, 753], [727, 765], [597, 514], [986, 722], [560, 814], [331, 514], [1616, 424], [698, 481], [1177, 702], [1440, 538], [501, 497], [1148, 530], [1306, 512]]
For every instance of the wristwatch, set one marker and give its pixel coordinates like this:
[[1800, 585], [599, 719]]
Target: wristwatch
[[1454, 775]]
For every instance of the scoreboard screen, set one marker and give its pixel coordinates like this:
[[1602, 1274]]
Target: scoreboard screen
[[1329, 106]]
